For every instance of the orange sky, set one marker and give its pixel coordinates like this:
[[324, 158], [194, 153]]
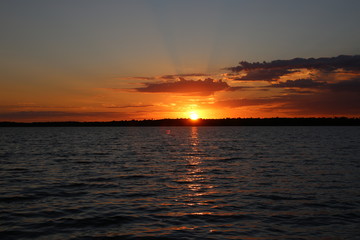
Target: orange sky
[[262, 90], [123, 60]]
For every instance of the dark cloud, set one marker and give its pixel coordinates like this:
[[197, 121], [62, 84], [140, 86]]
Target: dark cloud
[[346, 62], [272, 71], [352, 85], [177, 76], [199, 87], [131, 106], [336, 99], [324, 103], [169, 76], [264, 75], [300, 90], [56, 115], [299, 83], [22, 106], [141, 78]]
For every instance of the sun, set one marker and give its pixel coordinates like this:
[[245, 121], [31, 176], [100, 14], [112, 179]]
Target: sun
[[194, 116]]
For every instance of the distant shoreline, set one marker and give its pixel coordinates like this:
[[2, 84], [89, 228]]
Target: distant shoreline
[[337, 121]]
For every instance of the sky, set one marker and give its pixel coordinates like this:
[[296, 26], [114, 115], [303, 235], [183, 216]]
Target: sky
[[87, 60]]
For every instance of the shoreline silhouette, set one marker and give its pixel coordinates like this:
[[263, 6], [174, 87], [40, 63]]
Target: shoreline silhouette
[[336, 121]]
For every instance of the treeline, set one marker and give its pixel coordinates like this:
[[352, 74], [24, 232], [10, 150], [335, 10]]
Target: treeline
[[337, 121]]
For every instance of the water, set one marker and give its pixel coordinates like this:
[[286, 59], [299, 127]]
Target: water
[[180, 183]]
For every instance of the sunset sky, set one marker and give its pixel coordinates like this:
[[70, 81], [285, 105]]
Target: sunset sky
[[85, 60]]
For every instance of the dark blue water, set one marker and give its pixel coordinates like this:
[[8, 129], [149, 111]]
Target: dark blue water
[[180, 183]]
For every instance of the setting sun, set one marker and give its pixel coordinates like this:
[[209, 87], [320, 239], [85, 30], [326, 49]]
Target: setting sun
[[194, 116]]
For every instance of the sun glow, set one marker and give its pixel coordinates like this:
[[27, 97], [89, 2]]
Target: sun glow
[[194, 116]]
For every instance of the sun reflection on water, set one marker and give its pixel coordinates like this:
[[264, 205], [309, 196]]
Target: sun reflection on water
[[197, 181]]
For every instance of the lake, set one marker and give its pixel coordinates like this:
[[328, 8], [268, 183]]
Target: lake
[[180, 183]]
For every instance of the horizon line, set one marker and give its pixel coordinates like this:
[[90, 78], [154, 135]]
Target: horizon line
[[273, 121]]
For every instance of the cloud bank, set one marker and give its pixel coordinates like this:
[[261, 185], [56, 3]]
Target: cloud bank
[[299, 83], [264, 74], [272, 71], [196, 87], [309, 86], [295, 87], [341, 98], [58, 115], [346, 62]]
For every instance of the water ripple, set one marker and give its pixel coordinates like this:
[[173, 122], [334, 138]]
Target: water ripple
[[195, 183]]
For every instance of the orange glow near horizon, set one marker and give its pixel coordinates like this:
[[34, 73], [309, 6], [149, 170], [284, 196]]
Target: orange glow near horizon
[[99, 104]]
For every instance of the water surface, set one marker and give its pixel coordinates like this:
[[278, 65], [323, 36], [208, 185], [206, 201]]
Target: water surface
[[180, 183]]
